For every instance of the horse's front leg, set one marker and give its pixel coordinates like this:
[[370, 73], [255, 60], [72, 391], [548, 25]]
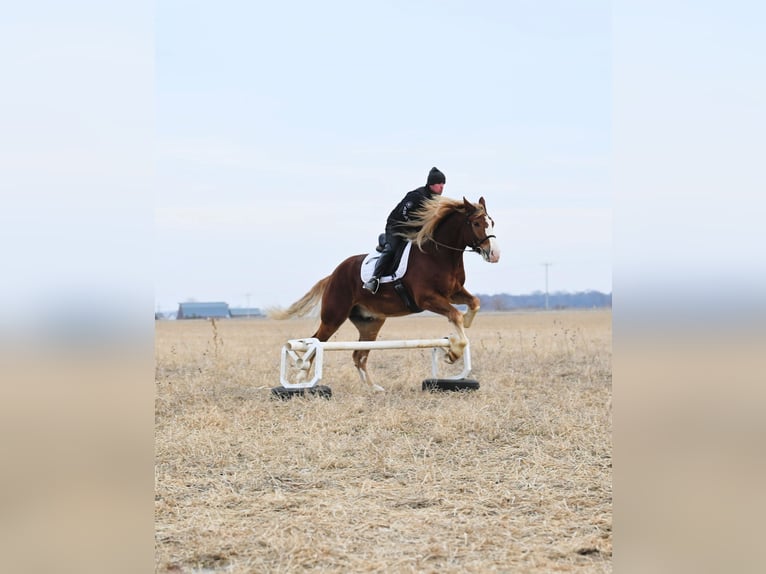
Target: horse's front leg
[[463, 297], [458, 341]]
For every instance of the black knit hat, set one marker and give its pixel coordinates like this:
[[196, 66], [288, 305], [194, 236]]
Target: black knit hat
[[435, 176]]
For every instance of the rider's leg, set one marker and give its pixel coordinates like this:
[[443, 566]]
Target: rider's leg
[[383, 264]]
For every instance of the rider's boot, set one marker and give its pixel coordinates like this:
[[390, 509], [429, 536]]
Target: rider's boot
[[372, 284]]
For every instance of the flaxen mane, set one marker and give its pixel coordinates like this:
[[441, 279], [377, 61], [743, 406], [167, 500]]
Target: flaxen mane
[[429, 216]]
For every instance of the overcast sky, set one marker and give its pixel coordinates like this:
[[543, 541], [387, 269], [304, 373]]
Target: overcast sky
[[287, 131], [160, 151]]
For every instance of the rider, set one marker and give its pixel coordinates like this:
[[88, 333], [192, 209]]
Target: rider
[[401, 213]]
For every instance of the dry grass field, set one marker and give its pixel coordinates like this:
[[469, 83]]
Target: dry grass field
[[514, 477]]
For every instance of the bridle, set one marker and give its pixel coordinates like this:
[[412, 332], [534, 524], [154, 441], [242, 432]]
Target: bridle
[[475, 246]]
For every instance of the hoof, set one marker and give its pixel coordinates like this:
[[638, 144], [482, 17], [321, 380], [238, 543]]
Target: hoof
[[452, 355]]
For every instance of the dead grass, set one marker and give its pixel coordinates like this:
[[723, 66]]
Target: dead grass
[[515, 477]]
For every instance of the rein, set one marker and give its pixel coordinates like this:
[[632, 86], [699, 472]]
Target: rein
[[473, 247]]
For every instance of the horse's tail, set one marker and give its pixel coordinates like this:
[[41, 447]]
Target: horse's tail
[[304, 305]]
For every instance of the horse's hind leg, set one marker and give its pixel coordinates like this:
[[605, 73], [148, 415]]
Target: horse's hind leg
[[334, 313], [332, 317], [368, 326]]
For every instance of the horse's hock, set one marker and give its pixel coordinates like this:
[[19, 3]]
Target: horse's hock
[[301, 364]]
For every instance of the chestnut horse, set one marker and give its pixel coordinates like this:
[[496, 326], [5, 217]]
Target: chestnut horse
[[441, 230]]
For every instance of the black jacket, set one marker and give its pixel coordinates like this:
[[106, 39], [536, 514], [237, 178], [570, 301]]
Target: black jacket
[[411, 202]]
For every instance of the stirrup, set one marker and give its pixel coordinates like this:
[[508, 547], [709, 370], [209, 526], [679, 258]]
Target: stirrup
[[372, 285]]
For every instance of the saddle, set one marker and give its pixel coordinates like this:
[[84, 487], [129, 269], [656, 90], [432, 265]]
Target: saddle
[[399, 265]]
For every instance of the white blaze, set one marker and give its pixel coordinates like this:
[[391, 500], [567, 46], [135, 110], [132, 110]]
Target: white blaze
[[494, 246]]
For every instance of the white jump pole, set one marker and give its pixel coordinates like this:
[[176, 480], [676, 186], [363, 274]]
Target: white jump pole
[[301, 352]]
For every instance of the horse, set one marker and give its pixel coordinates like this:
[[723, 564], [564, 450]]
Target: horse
[[440, 232]]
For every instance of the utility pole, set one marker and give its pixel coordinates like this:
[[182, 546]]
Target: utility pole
[[546, 283], [247, 295]]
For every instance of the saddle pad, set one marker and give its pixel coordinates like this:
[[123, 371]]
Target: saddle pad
[[368, 266]]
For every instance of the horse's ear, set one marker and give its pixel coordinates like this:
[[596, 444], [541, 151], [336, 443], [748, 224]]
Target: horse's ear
[[481, 201], [468, 205]]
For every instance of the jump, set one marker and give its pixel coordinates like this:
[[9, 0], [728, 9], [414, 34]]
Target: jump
[[440, 231]]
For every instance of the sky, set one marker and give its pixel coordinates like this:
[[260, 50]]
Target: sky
[[287, 131], [154, 152]]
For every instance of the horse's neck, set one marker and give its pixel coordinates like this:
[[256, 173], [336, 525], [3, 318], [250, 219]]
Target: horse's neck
[[450, 232]]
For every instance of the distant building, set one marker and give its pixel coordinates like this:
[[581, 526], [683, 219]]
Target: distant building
[[203, 311], [244, 312]]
